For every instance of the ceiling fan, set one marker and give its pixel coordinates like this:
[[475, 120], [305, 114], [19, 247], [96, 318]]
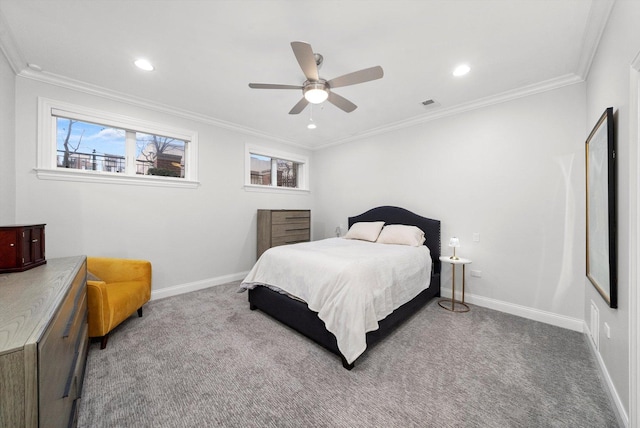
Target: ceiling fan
[[316, 90]]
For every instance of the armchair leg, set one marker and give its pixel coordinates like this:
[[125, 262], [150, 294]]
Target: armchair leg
[[140, 312], [103, 342]]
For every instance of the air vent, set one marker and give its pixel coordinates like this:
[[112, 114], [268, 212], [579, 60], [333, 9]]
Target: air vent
[[430, 104]]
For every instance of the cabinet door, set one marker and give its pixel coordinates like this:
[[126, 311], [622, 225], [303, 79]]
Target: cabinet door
[[27, 257], [37, 244], [9, 249]]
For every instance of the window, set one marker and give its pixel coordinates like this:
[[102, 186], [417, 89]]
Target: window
[[80, 144], [270, 170], [89, 147]]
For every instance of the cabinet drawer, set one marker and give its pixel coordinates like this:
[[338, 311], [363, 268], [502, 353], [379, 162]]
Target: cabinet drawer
[[58, 369], [282, 217], [290, 239], [280, 230], [59, 352]]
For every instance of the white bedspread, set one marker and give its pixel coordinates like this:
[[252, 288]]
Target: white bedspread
[[351, 284]]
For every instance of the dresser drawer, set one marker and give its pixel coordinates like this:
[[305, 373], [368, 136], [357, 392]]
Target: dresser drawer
[[290, 217], [290, 239], [60, 350], [280, 230]]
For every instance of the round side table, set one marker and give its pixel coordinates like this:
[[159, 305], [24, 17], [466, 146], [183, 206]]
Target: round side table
[[450, 304]]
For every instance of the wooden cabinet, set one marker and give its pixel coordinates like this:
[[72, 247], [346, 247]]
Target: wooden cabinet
[[280, 227], [43, 344], [21, 247]]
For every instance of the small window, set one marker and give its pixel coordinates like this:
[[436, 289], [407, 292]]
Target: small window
[[91, 145], [276, 170], [157, 155]]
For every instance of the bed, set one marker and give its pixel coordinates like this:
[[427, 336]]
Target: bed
[[297, 314]]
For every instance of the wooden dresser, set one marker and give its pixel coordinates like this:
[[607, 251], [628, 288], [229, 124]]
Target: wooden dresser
[[21, 247], [280, 227], [43, 343]]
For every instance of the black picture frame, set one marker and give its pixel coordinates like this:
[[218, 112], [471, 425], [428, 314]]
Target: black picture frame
[[601, 211]]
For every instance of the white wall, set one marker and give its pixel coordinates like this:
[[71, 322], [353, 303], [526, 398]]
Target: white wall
[[190, 235], [608, 86], [512, 172], [7, 142]]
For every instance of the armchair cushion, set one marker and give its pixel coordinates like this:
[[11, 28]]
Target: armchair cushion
[[124, 286]]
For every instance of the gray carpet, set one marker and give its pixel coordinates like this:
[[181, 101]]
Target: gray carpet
[[204, 359]]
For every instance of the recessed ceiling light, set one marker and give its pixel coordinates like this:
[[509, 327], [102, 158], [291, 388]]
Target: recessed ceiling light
[[461, 70], [143, 64]]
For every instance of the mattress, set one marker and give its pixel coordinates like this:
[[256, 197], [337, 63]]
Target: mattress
[[351, 284]]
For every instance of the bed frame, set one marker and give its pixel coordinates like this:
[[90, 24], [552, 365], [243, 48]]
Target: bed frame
[[297, 315]]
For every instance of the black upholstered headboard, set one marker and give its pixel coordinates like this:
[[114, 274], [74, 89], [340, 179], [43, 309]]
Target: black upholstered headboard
[[397, 215]]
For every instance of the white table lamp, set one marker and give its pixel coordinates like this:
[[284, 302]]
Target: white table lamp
[[454, 242]]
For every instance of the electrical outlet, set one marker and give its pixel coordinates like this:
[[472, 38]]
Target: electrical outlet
[[476, 273], [607, 330], [476, 237]]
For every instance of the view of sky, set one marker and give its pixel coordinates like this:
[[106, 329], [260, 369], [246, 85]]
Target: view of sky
[[85, 137]]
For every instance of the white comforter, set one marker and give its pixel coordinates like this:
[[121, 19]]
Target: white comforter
[[350, 284]]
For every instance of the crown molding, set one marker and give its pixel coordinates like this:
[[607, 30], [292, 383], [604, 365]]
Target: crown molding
[[596, 23], [548, 85], [94, 90], [99, 91]]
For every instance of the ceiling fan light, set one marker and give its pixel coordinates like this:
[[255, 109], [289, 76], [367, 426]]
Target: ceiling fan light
[[315, 93]]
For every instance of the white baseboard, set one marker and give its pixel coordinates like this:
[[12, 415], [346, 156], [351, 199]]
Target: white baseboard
[[197, 285], [563, 321], [622, 415]]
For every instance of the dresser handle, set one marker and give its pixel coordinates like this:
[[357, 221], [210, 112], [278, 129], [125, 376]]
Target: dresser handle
[[73, 314], [12, 245], [34, 240], [71, 378]]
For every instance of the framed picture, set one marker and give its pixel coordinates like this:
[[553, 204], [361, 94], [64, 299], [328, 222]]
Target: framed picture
[[601, 208]]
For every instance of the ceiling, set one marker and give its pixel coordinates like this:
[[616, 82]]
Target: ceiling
[[206, 53]]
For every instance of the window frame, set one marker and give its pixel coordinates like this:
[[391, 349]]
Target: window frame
[[46, 165], [302, 175]]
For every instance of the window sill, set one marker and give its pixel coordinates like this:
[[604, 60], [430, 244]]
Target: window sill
[[273, 189], [113, 178]]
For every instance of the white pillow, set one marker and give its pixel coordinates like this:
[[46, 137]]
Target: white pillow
[[402, 235], [366, 231]]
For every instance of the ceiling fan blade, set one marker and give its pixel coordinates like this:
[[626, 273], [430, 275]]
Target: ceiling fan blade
[[306, 59], [300, 106], [273, 86], [360, 76], [341, 102]]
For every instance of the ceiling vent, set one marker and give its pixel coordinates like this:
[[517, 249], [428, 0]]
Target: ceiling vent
[[430, 103]]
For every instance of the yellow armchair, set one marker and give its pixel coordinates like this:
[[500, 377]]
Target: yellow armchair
[[116, 288]]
